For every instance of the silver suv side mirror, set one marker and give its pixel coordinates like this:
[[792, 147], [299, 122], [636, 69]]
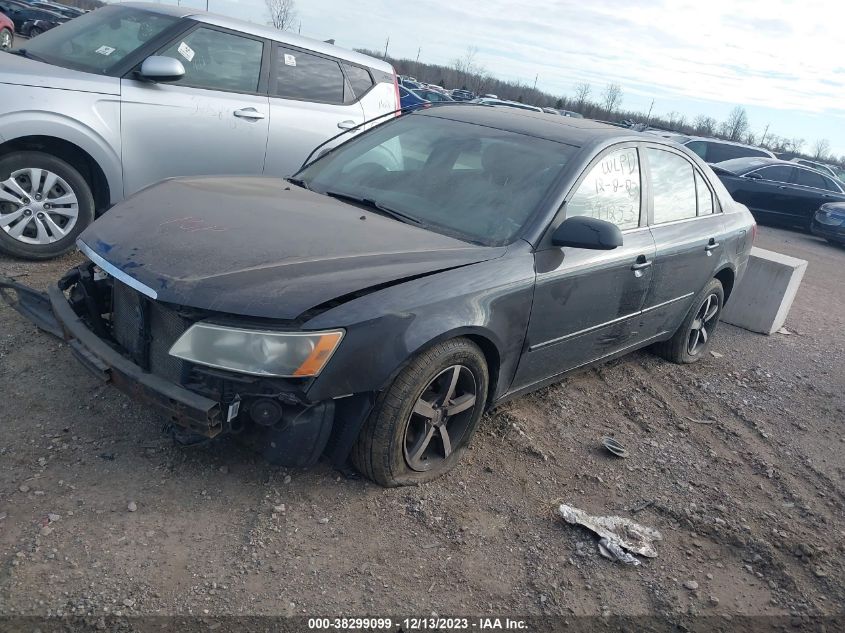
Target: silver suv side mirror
[[158, 68]]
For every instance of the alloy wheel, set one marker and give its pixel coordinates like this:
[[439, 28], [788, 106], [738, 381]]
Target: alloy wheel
[[703, 324], [37, 206], [440, 418], [5, 40]]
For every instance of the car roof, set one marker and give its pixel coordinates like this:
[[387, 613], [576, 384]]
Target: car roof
[[250, 28], [569, 130], [710, 139]]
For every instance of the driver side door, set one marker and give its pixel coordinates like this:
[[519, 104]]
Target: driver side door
[[586, 301]]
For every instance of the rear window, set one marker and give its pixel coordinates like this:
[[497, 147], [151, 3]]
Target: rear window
[[99, 40], [308, 77], [359, 79]]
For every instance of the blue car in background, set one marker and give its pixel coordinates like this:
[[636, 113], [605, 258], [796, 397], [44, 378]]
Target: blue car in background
[[410, 100]]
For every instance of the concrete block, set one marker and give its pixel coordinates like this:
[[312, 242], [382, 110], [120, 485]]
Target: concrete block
[[761, 300]]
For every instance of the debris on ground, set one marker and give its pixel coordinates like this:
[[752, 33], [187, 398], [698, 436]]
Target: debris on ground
[[617, 534], [614, 446]]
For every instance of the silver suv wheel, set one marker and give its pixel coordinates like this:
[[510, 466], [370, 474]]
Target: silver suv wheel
[[37, 206], [5, 40]]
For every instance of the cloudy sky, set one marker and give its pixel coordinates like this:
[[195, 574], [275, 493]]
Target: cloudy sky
[[782, 59]]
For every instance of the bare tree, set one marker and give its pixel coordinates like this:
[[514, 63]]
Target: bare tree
[[676, 120], [737, 124], [821, 149], [796, 144], [750, 138], [705, 125], [612, 97], [582, 93], [282, 13]]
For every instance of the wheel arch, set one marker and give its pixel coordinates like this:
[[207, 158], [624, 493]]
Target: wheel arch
[[727, 277], [72, 154]]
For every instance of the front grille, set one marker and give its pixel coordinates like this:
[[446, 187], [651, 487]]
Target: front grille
[[146, 330]]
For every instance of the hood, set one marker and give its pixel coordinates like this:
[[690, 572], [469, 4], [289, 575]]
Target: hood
[[261, 247], [20, 71]]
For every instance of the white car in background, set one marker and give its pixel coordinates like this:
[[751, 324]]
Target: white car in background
[[129, 94]]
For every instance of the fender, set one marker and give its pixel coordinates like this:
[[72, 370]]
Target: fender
[[104, 150]]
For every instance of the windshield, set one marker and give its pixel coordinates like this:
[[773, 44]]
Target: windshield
[[470, 181], [97, 41]]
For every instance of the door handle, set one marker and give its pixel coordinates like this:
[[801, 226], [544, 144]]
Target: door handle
[[249, 113], [712, 245], [641, 263], [346, 125]]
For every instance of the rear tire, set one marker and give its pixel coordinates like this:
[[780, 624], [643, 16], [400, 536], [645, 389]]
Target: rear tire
[[41, 220], [422, 423], [692, 339]]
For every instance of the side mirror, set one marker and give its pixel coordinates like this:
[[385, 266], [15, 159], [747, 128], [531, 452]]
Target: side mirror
[[585, 232], [158, 68]]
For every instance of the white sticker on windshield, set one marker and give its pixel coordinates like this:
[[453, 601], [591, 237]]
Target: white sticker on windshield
[[186, 51], [105, 50], [290, 60]]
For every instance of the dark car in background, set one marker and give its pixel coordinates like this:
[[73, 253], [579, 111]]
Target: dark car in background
[[778, 191], [377, 303], [434, 96], [713, 150], [31, 20], [7, 32], [459, 94], [409, 99], [829, 222]]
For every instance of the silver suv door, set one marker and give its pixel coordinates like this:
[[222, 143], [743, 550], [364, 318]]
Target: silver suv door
[[310, 101], [212, 121]]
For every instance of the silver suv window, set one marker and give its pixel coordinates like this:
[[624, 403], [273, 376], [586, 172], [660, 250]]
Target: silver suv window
[[307, 77], [218, 61]]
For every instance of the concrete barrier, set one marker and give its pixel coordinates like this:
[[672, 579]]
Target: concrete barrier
[[762, 299]]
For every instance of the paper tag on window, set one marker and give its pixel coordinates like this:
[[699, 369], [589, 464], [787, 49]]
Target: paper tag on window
[[186, 51], [290, 60], [105, 50]]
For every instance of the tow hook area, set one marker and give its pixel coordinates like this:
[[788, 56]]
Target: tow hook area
[[32, 304]]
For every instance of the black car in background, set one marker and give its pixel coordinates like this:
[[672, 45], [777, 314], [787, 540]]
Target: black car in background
[[778, 191], [829, 222], [376, 304], [30, 20]]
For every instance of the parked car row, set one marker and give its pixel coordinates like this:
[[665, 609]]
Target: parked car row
[[130, 94], [33, 18]]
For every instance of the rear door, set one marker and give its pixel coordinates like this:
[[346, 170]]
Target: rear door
[[212, 121], [689, 235], [585, 300], [311, 101], [766, 191]]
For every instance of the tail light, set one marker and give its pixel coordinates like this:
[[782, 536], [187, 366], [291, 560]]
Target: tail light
[[396, 92]]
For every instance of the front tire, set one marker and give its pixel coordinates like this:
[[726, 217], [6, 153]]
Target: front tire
[[7, 39], [692, 339], [44, 205], [422, 423]]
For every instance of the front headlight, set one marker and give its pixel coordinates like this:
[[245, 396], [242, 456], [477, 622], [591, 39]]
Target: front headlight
[[257, 352]]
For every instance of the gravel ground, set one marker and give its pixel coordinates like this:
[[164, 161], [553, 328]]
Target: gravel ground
[[737, 460]]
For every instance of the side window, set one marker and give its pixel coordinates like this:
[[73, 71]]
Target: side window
[[359, 79], [611, 190], [705, 196], [776, 173], [672, 186], [830, 185], [308, 77], [809, 178], [699, 147], [218, 61]]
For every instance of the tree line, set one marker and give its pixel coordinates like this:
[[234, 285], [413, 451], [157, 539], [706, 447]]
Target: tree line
[[605, 103]]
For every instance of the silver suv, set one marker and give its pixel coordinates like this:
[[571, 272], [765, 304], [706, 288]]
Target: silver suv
[[129, 94]]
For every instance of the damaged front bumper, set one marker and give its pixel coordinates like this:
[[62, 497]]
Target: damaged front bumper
[[52, 313], [301, 432]]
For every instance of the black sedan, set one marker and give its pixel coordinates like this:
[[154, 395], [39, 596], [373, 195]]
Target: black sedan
[[829, 222], [778, 191], [376, 304], [30, 20]]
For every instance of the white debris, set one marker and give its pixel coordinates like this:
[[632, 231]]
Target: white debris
[[617, 534], [132, 506]]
